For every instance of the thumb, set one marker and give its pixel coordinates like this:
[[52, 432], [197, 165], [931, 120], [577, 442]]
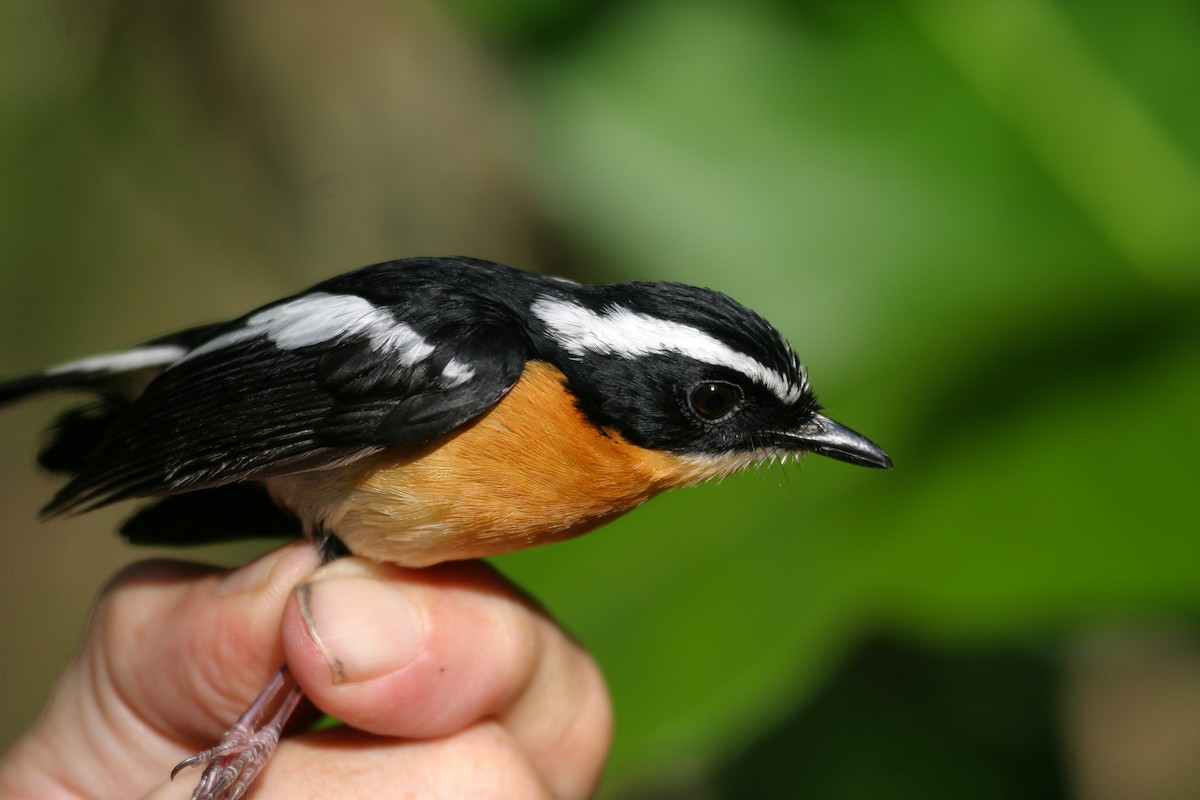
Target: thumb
[[174, 652]]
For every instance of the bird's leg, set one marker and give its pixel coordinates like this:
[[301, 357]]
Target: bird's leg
[[247, 746], [244, 750]]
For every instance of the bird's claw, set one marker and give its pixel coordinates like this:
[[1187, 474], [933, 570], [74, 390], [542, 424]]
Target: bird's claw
[[235, 762], [232, 765]]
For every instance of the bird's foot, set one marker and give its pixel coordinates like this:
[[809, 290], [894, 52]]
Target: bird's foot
[[244, 750]]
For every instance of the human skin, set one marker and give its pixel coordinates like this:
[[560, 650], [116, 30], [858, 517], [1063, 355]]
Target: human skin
[[449, 682]]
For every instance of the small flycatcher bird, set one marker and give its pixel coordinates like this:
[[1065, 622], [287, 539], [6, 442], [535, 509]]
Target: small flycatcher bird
[[424, 410]]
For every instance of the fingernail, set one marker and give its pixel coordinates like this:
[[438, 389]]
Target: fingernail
[[362, 623]]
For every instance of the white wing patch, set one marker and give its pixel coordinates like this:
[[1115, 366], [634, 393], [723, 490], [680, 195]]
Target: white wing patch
[[629, 334], [456, 373], [158, 355], [320, 317]]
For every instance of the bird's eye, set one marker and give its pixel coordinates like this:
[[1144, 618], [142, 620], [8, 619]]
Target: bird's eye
[[713, 400]]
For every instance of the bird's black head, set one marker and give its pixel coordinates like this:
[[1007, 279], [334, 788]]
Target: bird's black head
[[689, 371]]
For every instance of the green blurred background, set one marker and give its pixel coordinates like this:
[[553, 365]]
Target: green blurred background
[[979, 224]]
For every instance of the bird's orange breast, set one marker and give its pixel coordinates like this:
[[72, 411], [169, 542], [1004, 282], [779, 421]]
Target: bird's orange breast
[[531, 470]]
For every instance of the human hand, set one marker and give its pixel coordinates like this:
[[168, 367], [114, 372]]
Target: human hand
[[450, 684]]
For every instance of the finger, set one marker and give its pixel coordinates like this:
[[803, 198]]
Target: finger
[[173, 652], [563, 718], [481, 762], [188, 648], [425, 653]]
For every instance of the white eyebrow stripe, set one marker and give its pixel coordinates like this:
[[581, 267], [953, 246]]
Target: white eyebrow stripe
[[626, 333], [320, 317], [135, 358]]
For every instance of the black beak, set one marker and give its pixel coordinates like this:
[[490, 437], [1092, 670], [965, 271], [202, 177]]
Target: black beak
[[825, 437]]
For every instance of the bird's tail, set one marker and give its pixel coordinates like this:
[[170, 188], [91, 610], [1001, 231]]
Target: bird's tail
[[113, 379], [122, 374], [16, 389]]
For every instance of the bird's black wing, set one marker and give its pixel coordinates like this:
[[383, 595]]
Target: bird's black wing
[[310, 383]]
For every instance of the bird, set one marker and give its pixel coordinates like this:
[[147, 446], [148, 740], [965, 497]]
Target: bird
[[424, 410]]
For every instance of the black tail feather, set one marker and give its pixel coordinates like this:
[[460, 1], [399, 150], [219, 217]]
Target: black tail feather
[[25, 386]]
